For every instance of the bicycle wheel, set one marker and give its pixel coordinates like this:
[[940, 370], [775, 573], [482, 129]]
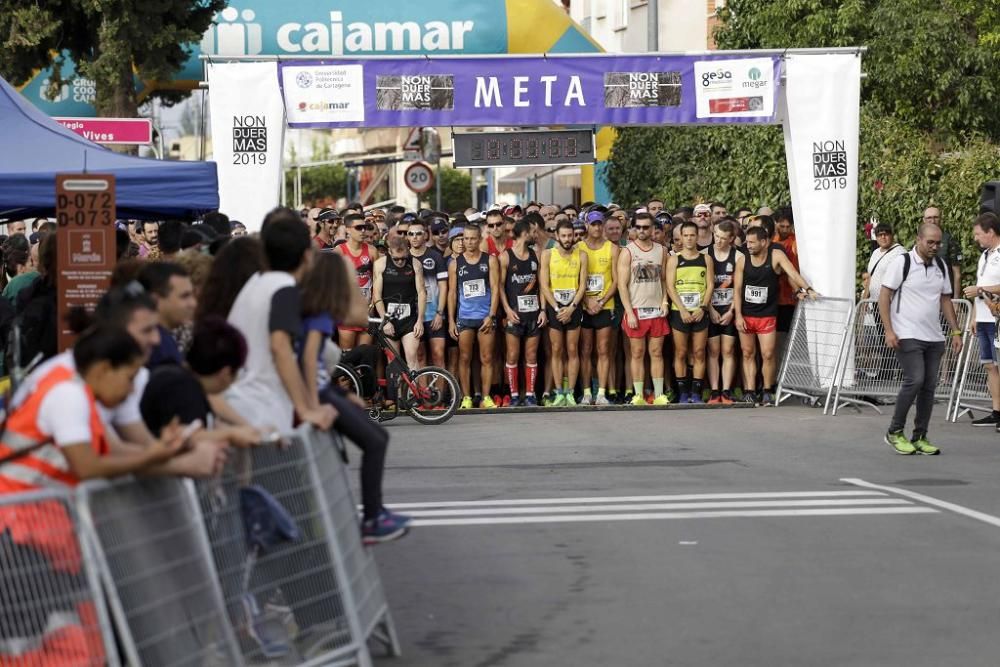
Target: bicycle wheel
[[347, 377], [438, 395]]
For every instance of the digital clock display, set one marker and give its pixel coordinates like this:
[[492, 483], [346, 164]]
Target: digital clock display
[[514, 149]]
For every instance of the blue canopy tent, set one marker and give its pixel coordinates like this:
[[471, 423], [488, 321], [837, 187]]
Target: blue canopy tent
[[35, 148]]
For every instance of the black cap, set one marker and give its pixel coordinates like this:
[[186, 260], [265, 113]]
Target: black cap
[[328, 214], [438, 225]]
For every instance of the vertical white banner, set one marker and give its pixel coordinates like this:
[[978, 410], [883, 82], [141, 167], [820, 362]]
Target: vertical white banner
[[821, 123], [248, 124], [821, 117]]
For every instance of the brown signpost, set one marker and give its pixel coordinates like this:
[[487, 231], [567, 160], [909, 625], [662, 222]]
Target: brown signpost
[[85, 212]]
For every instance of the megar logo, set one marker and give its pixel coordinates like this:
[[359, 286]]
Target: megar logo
[[754, 74]]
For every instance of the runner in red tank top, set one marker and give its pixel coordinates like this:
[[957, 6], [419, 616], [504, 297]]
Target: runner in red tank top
[[363, 256], [495, 241]]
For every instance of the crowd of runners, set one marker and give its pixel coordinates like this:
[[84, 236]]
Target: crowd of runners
[[555, 306]]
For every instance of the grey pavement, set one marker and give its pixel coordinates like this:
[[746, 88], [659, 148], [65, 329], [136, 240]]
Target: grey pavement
[[839, 575]]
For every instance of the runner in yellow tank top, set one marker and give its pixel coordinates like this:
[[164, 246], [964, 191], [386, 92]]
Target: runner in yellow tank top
[[690, 278], [598, 308], [563, 279]]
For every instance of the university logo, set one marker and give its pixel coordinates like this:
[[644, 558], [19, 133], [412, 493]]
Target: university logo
[[304, 79]]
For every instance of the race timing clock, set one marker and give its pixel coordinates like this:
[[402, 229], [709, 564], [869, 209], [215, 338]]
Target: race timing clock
[[518, 148]]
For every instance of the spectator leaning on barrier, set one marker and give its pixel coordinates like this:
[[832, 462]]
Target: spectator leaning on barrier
[[915, 290], [267, 312], [171, 288], [987, 234]]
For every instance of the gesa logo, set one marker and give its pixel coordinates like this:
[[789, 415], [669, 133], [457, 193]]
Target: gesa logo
[[719, 75]]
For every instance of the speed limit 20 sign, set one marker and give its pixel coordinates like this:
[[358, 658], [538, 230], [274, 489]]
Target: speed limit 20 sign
[[419, 177]]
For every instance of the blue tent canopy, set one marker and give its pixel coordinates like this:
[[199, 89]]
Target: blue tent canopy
[[34, 148]]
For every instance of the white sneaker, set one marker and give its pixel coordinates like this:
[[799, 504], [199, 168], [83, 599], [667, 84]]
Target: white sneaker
[[602, 400], [587, 400]]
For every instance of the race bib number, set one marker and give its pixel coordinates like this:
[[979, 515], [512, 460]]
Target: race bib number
[[398, 311], [473, 288], [648, 313], [722, 296], [366, 292], [753, 294], [527, 303], [564, 296], [691, 299], [595, 284]]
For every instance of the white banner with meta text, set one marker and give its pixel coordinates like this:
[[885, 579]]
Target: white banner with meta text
[[248, 124]]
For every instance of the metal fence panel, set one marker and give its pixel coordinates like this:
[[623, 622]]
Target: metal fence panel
[[812, 349], [973, 394], [51, 609], [358, 562], [288, 601], [870, 368], [161, 586]]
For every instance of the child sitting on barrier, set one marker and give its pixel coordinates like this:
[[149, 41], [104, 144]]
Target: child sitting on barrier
[[53, 439], [328, 296]]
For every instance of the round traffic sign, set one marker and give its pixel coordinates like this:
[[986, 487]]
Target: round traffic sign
[[419, 177]]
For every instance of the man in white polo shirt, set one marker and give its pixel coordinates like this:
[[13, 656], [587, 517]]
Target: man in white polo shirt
[[987, 234], [915, 290]]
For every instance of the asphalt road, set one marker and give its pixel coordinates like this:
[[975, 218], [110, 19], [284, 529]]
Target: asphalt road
[[700, 537]]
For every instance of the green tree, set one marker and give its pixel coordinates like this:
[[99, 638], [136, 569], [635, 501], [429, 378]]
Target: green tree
[[456, 190], [932, 63], [111, 42]]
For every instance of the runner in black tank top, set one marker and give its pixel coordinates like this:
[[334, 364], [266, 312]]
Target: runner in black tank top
[[399, 284], [722, 330], [756, 304], [521, 302]]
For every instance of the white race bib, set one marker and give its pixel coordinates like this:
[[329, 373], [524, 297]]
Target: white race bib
[[691, 299], [527, 303], [564, 297], [722, 296], [595, 284], [473, 288], [648, 313], [397, 311], [754, 294]]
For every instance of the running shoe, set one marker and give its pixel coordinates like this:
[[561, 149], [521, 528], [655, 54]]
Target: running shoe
[[559, 401], [387, 526], [992, 419], [601, 400], [546, 400], [529, 402], [726, 398], [749, 396], [477, 400], [695, 398], [638, 400], [715, 398], [587, 399], [627, 399], [685, 397], [899, 443], [466, 403], [661, 400], [569, 401], [924, 446], [488, 403], [506, 402], [767, 399]]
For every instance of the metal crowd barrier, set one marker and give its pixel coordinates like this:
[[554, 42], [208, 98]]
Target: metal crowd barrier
[[193, 578], [812, 349], [51, 609], [972, 394], [868, 368]]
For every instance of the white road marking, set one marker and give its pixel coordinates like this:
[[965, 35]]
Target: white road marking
[[659, 506], [846, 511], [943, 504], [636, 499]]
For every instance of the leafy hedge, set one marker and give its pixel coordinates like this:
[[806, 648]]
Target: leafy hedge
[[902, 171]]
